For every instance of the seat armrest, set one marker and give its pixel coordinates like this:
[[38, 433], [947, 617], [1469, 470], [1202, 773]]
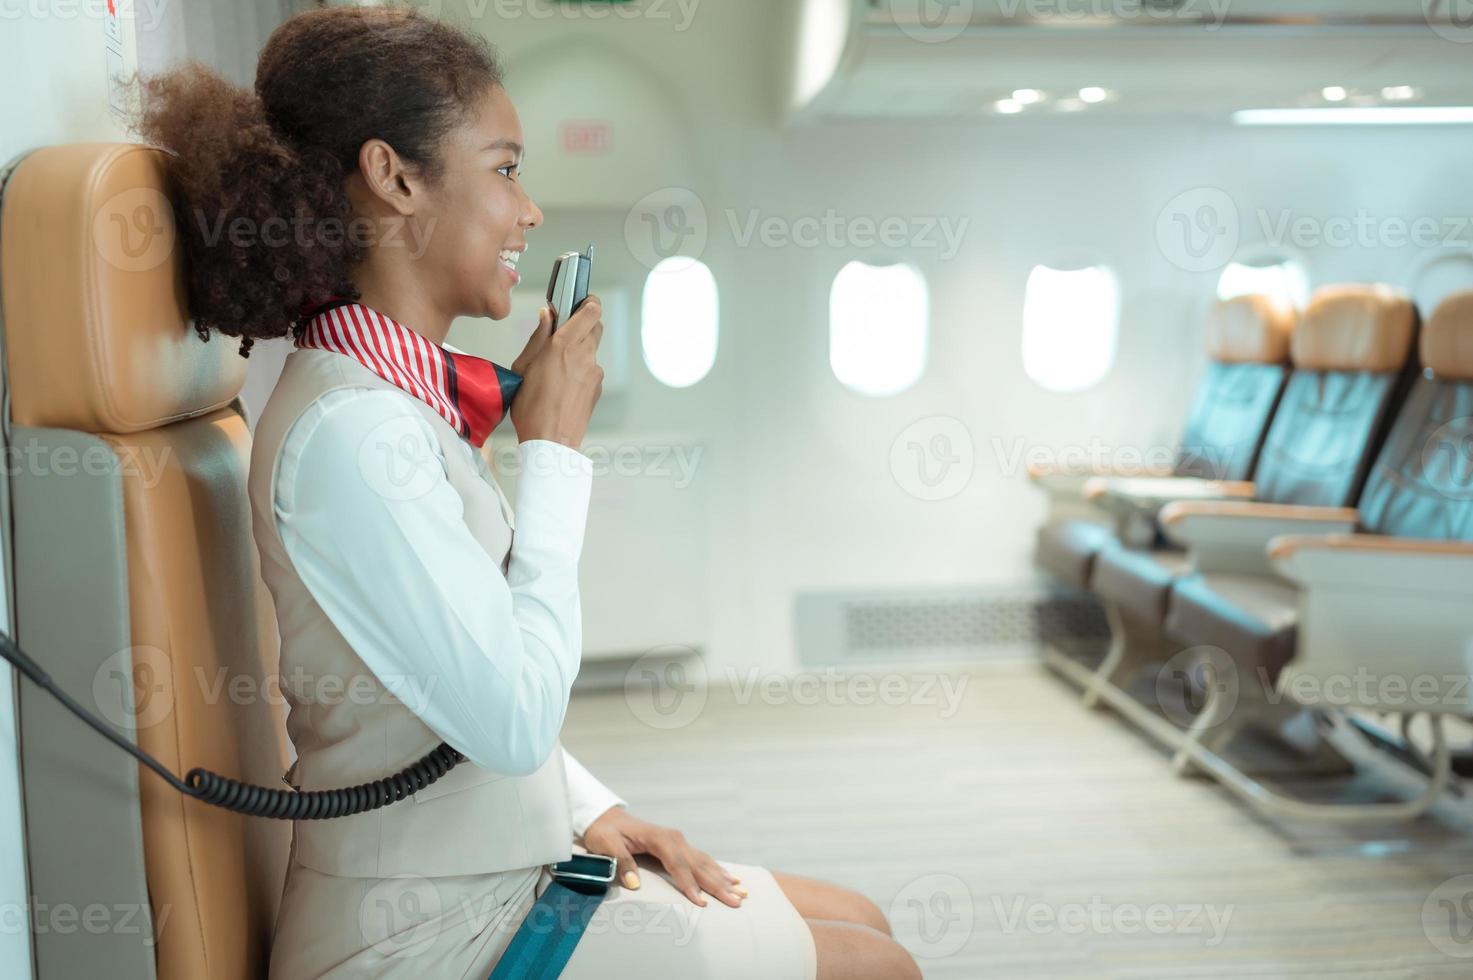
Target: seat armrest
[[1063, 480], [1143, 497], [1375, 561], [1385, 623], [1233, 535]]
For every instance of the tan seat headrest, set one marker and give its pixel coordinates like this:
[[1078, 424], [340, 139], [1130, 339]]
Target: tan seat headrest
[[1447, 339], [96, 321], [1355, 327], [1252, 329]]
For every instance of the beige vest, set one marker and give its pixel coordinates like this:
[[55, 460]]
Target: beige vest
[[472, 820]]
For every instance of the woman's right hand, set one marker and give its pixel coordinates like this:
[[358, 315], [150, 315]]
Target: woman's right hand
[[561, 379]]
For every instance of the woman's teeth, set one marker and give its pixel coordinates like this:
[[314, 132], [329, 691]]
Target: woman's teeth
[[510, 258]]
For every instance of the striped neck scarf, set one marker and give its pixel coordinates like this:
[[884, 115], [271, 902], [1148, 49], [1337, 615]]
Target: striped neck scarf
[[470, 393]]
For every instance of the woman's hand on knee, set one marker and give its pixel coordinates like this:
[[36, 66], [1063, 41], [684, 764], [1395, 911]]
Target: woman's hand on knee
[[620, 835]]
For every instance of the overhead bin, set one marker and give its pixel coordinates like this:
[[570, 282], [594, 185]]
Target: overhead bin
[[870, 59]]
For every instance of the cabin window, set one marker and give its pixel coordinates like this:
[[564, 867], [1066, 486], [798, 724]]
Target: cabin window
[[679, 321], [1282, 279], [1071, 323], [879, 316]]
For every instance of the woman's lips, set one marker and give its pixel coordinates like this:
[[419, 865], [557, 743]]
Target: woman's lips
[[508, 258]]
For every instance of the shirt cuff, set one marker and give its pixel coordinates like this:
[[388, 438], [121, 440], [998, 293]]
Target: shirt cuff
[[553, 489], [588, 799]]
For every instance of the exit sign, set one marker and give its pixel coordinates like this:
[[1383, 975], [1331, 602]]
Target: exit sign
[[589, 136]]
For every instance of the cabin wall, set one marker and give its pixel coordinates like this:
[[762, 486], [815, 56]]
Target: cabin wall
[[65, 57], [800, 492], [815, 459]]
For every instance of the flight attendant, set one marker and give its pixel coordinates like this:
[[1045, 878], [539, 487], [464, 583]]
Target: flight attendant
[[360, 199]]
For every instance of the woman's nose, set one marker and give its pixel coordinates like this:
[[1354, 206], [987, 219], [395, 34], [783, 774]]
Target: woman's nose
[[531, 213]]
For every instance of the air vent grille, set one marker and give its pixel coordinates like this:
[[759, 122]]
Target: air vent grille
[[840, 627]]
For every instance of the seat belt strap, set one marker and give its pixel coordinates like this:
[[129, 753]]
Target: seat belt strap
[[545, 941]]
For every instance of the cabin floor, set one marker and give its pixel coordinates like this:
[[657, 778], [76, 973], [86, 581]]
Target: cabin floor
[[1009, 832]]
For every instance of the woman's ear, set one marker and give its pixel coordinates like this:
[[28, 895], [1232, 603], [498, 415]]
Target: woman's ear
[[385, 176]]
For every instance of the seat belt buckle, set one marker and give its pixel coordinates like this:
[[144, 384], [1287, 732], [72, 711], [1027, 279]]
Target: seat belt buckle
[[587, 873]]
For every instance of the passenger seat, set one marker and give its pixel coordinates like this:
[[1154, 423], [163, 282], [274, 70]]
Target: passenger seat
[[1420, 491], [1248, 351], [1351, 353], [137, 583]]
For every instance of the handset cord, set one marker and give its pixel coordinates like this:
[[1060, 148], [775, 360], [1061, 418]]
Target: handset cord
[[251, 800]]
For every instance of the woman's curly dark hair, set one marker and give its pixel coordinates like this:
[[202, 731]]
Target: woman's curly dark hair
[[258, 177]]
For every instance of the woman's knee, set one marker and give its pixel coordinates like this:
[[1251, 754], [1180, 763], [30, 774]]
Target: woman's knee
[[816, 899], [852, 951]]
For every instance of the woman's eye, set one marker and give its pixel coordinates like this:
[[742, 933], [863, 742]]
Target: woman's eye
[[508, 171]]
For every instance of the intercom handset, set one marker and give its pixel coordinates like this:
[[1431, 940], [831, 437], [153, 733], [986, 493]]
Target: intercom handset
[[567, 288]]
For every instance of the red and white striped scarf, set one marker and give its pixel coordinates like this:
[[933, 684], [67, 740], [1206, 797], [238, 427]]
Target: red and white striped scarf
[[471, 393]]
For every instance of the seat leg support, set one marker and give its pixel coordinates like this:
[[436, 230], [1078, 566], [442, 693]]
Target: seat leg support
[[1132, 646]]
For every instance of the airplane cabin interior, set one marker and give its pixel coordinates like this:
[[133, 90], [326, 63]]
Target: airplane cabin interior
[[1018, 507]]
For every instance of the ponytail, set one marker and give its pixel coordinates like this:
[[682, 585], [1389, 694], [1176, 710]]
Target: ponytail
[[258, 177], [242, 200]]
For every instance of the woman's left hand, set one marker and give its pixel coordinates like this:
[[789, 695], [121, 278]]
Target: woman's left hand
[[619, 835]]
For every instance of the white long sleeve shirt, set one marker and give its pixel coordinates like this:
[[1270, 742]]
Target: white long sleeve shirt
[[485, 659]]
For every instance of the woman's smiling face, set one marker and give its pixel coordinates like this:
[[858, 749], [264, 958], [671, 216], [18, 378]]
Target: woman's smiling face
[[473, 226]]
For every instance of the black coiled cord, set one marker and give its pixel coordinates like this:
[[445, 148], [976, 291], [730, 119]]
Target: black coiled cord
[[256, 801], [320, 804]]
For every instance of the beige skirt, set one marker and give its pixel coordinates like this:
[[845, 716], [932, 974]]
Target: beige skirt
[[456, 928]]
